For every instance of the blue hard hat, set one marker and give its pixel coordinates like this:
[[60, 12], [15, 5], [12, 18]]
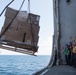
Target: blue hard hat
[[66, 44], [70, 42]]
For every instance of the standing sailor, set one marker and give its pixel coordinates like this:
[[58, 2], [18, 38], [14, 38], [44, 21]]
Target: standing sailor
[[66, 52]]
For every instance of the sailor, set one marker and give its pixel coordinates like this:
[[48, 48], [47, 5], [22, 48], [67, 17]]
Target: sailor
[[74, 56], [70, 53], [66, 52]]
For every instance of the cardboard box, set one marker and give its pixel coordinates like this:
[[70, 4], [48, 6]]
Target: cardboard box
[[7, 22], [10, 13], [30, 39], [23, 27], [32, 18], [14, 24], [26, 27], [21, 15], [14, 35]]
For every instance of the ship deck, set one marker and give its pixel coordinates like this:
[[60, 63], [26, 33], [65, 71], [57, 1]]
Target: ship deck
[[60, 70]]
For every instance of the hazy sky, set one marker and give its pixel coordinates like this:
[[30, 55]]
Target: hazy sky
[[45, 10]]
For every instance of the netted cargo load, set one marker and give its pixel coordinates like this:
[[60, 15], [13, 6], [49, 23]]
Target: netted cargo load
[[23, 31]]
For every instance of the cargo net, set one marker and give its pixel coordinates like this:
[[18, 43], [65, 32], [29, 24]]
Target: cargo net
[[20, 31]]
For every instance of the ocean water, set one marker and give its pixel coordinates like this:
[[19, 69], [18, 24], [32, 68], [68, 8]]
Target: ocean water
[[22, 64]]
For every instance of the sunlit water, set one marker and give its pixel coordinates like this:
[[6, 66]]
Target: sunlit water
[[22, 65]]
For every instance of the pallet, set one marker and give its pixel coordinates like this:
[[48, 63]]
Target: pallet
[[18, 47]]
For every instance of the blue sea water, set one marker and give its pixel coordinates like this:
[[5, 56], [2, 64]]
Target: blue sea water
[[22, 64]]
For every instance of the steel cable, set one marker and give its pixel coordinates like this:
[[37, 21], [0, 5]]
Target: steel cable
[[6, 7], [12, 20]]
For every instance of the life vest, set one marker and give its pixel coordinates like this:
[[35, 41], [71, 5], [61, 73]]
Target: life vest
[[66, 51]]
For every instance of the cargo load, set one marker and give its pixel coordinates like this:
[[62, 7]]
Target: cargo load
[[23, 31]]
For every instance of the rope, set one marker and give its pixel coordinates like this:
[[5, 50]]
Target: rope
[[12, 20], [6, 7], [31, 26]]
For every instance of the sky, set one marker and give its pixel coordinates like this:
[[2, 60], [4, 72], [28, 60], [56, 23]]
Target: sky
[[44, 8]]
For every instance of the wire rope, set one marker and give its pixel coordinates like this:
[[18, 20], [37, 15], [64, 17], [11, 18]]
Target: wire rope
[[6, 7], [12, 20]]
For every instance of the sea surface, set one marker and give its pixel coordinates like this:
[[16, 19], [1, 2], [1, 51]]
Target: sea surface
[[22, 64]]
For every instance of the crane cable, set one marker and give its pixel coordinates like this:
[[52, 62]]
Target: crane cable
[[6, 7], [12, 20], [32, 33], [28, 6]]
